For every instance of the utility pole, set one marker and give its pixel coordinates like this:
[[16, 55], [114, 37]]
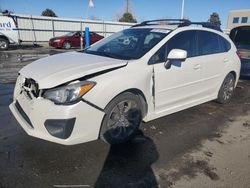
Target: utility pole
[[182, 9], [127, 7]]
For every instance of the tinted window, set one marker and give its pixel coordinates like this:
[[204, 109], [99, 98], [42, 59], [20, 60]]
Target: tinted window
[[224, 44], [240, 36], [208, 43], [244, 19], [236, 20], [185, 40]]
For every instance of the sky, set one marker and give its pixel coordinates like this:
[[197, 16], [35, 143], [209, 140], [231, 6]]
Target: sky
[[195, 10]]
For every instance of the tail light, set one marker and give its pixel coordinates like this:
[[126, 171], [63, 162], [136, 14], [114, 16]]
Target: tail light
[[238, 53]]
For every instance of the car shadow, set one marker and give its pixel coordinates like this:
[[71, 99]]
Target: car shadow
[[129, 165]]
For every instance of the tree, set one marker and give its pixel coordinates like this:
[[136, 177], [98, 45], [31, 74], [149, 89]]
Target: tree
[[127, 17], [6, 12], [215, 19], [49, 12]]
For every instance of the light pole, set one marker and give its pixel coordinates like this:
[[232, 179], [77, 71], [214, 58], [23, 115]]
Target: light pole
[[90, 5], [182, 9]]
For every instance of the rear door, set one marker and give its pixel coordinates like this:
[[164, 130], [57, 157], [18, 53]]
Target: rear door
[[213, 57], [180, 86]]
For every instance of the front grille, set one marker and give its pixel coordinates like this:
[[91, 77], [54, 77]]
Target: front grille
[[23, 114], [31, 84]]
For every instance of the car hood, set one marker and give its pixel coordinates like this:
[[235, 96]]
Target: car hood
[[58, 69]]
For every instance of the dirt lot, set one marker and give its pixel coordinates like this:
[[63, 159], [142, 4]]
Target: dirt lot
[[205, 146]]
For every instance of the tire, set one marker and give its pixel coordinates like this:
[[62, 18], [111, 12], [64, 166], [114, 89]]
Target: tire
[[227, 89], [122, 120], [66, 45], [4, 44]]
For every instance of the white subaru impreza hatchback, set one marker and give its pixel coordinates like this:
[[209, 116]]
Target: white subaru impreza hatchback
[[139, 74]]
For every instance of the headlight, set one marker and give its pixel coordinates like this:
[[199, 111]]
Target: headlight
[[69, 93], [57, 40]]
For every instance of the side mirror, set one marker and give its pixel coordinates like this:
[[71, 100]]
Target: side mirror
[[175, 55]]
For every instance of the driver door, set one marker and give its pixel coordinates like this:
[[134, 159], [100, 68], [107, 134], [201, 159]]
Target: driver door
[[179, 86]]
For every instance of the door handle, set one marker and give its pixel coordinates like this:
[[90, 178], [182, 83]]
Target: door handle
[[196, 67], [225, 60]]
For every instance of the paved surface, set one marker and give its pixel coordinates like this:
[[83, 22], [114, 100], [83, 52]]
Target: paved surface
[[143, 163], [12, 60]]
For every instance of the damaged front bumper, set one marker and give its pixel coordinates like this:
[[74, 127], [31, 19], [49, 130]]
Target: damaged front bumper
[[67, 125]]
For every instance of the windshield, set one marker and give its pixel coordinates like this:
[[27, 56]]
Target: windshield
[[70, 34], [128, 44]]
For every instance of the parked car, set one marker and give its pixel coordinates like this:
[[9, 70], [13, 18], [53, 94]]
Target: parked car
[[241, 38], [8, 31], [141, 73], [72, 39]]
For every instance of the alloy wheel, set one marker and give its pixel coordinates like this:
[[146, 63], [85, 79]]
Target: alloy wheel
[[123, 119], [3, 44]]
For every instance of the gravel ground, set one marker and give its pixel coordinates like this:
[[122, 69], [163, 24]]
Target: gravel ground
[[204, 146]]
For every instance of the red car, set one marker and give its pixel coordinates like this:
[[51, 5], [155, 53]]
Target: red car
[[72, 39]]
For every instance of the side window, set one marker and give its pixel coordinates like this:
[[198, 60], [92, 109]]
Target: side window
[[185, 40], [208, 43], [77, 34], [244, 19], [225, 45], [236, 20]]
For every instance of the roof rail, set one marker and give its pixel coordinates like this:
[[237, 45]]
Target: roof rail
[[179, 23], [162, 22], [203, 24]]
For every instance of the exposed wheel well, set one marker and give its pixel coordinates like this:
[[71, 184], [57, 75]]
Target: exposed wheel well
[[234, 74], [4, 37], [142, 97]]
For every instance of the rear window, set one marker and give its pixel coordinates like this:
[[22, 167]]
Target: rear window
[[208, 43], [212, 43], [225, 45], [241, 36]]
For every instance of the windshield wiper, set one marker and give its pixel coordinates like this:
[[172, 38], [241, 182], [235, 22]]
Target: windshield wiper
[[109, 55]]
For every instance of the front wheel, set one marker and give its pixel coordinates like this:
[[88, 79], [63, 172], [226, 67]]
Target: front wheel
[[4, 44], [227, 89], [122, 119]]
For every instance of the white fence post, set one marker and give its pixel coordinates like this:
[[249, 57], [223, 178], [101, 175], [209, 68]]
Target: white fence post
[[33, 29], [53, 27]]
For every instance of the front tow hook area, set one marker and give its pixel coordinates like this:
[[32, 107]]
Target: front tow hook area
[[60, 128]]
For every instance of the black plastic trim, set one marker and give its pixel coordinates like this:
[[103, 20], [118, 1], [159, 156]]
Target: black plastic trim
[[66, 126], [93, 105], [23, 114]]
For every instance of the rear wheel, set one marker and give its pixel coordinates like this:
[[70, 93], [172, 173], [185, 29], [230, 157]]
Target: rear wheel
[[4, 44], [122, 119], [227, 89], [67, 45]]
